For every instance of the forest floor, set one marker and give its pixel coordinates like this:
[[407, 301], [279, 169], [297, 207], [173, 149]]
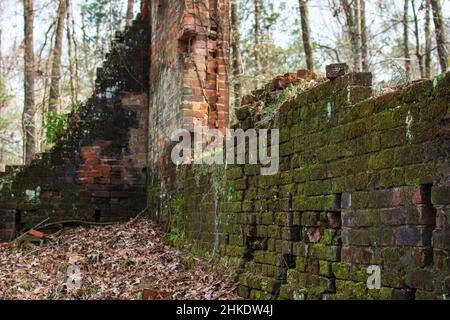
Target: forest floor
[[123, 261]]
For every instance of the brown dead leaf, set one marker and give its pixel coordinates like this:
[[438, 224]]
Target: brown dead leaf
[[115, 263]]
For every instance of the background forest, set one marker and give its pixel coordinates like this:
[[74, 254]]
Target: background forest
[[398, 40], [50, 49], [49, 53]]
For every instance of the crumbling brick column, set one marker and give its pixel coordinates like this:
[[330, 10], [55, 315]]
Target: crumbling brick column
[[188, 73]]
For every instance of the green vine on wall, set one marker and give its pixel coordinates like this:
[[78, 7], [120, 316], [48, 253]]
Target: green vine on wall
[[177, 221]]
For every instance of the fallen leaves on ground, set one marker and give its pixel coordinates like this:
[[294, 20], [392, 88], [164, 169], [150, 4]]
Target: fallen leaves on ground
[[112, 262]]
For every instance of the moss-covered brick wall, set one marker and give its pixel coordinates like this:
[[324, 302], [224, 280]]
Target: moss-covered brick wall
[[363, 181], [96, 169]]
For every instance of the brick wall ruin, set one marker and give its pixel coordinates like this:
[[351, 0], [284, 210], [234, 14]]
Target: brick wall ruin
[[96, 170], [363, 181], [363, 178]]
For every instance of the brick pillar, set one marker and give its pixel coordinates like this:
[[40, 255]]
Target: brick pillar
[[188, 72]]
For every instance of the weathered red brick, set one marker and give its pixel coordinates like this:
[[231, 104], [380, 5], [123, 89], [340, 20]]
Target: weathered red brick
[[397, 196]]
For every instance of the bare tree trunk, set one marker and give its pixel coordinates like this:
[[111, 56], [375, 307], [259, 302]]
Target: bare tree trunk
[[350, 20], [1, 56], [406, 38], [440, 34], [28, 116], [1, 76], [419, 55], [110, 11], [364, 44], [130, 8], [236, 50], [47, 72], [75, 52], [56, 58], [72, 65], [357, 44], [257, 35], [306, 34], [85, 50], [427, 40]]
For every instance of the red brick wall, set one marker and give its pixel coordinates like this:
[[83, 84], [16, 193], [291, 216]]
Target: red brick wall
[[188, 72]]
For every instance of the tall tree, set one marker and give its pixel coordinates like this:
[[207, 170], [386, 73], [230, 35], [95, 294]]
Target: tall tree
[[406, 55], [130, 8], [85, 49], [364, 44], [419, 55], [75, 52], [236, 52], [357, 44], [111, 19], [440, 34], [257, 35], [427, 39], [72, 58], [54, 94], [355, 39], [28, 116], [1, 72], [306, 34]]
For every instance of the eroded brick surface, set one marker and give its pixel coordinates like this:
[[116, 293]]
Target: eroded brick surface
[[188, 73]]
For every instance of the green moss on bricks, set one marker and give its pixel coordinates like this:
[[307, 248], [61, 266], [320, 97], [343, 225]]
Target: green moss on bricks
[[239, 184], [381, 160], [270, 285], [274, 232], [341, 270], [351, 290], [282, 219], [407, 155], [325, 268], [420, 174], [360, 200], [291, 276], [235, 251], [286, 292], [355, 129], [235, 195], [380, 294], [235, 206], [251, 169], [299, 249], [367, 218], [234, 173], [265, 218], [247, 206], [382, 121], [315, 203], [261, 231], [323, 252]]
